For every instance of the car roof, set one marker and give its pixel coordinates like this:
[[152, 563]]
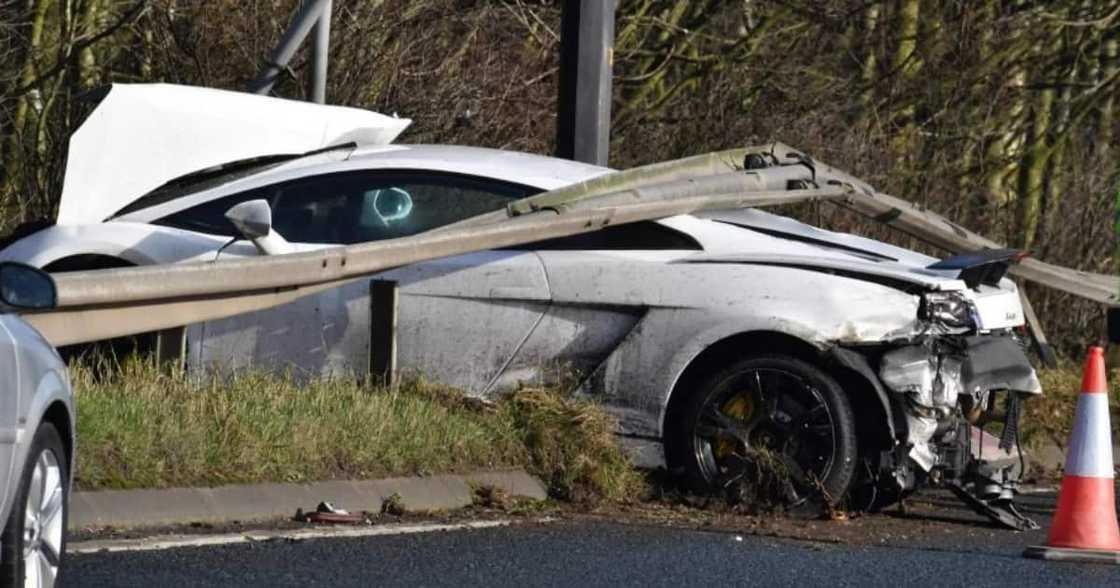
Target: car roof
[[539, 171]]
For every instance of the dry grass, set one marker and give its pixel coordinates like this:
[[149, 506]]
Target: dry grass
[[572, 445], [1049, 419], [140, 428]]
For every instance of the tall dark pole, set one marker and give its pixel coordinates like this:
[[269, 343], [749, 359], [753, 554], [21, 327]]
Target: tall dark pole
[[583, 114], [310, 13], [320, 54]]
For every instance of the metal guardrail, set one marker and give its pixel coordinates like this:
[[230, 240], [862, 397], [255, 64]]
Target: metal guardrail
[[102, 304], [939, 231]]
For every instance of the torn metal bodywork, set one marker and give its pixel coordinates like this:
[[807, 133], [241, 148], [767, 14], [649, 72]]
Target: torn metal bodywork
[[948, 386]]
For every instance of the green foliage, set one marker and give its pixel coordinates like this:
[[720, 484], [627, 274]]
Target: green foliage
[[140, 427]]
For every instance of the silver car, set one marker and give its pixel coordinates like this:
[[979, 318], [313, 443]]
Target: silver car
[[36, 435]]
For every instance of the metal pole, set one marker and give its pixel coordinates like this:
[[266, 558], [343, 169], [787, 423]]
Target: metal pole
[[586, 56], [308, 14], [320, 54], [384, 302]]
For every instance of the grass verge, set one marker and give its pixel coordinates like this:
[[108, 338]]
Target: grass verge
[[139, 427]]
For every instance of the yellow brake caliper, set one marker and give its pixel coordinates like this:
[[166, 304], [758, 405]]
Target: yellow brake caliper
[[741, 407]]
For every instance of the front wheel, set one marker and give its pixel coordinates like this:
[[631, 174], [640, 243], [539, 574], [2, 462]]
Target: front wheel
[[770, 411], [34, 538]]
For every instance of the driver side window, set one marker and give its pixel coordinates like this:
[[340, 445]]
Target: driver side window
[[355, 207]]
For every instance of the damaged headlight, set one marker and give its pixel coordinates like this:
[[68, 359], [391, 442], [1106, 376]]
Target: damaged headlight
[[951, 309]]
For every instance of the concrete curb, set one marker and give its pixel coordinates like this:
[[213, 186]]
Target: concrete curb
[[136, 508], [1053, 458]]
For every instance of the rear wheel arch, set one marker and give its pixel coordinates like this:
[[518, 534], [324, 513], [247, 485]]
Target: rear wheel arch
[[878, 422], [726, 351], [872, 416], [59, 416]]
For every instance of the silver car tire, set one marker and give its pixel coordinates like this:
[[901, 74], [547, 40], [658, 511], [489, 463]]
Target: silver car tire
[[34, 539]]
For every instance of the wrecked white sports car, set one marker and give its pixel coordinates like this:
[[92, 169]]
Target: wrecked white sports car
[[864, 367]]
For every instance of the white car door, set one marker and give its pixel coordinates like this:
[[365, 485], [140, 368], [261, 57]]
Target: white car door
[[460, 320], [9, 405]]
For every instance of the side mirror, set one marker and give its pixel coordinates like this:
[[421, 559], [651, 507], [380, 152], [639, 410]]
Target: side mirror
[[26, 288], [253, 219]]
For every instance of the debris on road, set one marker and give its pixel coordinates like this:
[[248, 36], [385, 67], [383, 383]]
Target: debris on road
[[327, 513], [393, 505]]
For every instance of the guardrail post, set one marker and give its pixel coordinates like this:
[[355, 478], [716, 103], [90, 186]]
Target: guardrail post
[[383, 301], [171, 347]]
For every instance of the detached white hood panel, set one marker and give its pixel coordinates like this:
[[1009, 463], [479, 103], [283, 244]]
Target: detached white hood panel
[[142, 135]]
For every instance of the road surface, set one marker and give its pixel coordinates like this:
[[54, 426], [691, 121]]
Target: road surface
[[943, 547]]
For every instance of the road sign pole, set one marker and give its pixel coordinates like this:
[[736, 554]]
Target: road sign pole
[[309, 14], [586, 58], [320, 54]]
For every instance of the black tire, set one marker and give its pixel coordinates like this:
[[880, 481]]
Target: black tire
[[47, 440], [806, 422]]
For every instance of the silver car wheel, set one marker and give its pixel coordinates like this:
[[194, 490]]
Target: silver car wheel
[[42, 527]]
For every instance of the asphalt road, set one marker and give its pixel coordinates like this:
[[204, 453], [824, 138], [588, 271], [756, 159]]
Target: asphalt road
[[586, 553]]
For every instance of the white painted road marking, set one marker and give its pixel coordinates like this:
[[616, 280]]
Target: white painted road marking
[[179, 541]]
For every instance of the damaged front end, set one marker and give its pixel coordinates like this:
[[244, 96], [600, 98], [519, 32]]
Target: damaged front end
[[945, 384]]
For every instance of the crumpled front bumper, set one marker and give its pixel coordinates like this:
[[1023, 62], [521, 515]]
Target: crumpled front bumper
[[934, 379]]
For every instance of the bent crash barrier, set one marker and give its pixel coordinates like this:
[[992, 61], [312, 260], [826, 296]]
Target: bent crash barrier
[[110, 303]]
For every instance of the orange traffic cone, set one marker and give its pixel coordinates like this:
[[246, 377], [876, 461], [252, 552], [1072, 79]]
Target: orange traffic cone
[[1085, 527]]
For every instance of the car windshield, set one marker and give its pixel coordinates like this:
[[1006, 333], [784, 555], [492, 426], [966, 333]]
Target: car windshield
[[218, 175]]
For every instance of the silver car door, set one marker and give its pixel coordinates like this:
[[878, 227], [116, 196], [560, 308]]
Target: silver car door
[[329, 333], [9, 404], [461, 320], [601, 287]]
